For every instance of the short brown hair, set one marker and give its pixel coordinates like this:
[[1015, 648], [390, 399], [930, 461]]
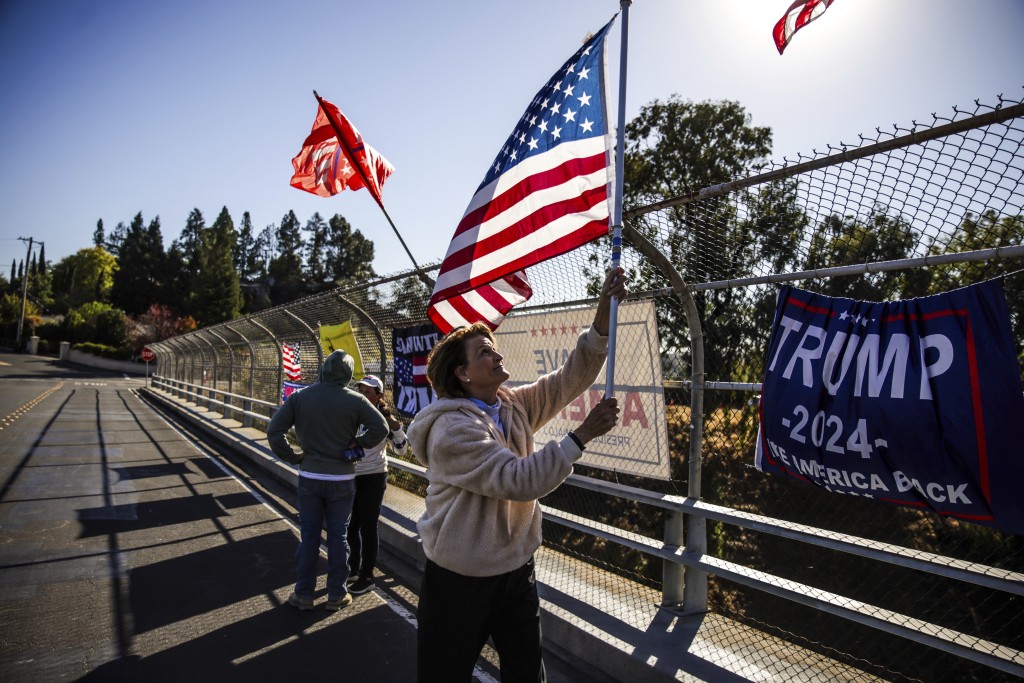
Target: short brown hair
[[450, 353]]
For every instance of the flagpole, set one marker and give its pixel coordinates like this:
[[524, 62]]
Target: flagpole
[[366, 182], [620, 140]]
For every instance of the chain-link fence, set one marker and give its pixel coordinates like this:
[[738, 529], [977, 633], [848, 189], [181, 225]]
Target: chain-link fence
[[900, 593]]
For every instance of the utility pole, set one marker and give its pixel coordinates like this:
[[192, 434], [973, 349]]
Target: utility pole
[[24, 289]]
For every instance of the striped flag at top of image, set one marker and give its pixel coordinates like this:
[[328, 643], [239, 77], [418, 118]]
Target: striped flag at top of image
[[545, 193], [291, 361]]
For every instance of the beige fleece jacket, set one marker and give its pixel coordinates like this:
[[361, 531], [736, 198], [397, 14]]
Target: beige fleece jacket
[[482, 517]]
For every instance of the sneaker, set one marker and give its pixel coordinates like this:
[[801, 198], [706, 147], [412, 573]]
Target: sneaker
[[352, 578], [335, 604], [361, 586], [300, 603]]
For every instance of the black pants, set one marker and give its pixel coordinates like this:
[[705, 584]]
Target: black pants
[[362, 527], [458, 613]]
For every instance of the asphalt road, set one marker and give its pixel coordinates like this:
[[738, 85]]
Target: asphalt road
[[128, 552]]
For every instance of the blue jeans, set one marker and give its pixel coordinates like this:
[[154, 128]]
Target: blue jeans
[[320, 502]]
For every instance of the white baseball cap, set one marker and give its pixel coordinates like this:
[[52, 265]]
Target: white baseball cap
[[372, 381]]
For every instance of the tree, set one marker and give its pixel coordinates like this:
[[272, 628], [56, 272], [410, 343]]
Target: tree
[[849, 240], [87, 275], [191, 239], [677, 147], [266, 248], [177, 281], [285, 269], [316, 242], [246, 253], [98, 235], [40, 288], [159, 322], [987, 230], [217, 296], [116, 239], [139, 280], [349, 255], [10, 314]]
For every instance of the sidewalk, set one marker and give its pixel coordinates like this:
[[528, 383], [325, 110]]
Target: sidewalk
[[128, 555]]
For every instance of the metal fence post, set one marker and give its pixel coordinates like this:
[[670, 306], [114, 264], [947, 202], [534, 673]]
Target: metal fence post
[[683, 586]]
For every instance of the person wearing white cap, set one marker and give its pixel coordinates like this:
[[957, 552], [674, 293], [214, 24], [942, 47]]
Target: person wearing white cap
[[371, 480]]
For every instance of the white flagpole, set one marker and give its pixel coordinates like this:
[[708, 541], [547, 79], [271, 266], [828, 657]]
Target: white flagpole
[[620, 142]]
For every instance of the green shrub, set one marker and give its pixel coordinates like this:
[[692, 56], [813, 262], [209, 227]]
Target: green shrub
[[98, 323], [103, 350]]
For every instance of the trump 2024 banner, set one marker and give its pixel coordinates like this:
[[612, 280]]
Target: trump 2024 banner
[[913, 402]]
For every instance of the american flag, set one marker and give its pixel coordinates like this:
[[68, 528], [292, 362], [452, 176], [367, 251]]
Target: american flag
[[290, 361], [544, 194], [411, 371], [799, 14]]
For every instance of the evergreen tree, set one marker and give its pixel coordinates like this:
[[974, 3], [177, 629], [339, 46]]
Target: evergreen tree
[[130, 281], [217, 296], [246, 256], [14, 266], [98, 236], [266, 249], [316, 228], [177, 282], [191, 240], [285, 269], [40, 289], [349, 255], [184, 259], [116, 239]]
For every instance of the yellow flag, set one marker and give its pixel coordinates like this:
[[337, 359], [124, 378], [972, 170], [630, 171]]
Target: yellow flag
[[342, 337]]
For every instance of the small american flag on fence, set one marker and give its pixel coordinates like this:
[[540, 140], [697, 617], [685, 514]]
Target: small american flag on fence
[[412, 372], [291, 361]]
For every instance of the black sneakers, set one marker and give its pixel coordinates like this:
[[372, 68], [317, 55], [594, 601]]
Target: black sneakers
[[360, 586]]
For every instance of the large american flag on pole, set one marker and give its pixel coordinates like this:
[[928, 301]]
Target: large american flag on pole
[[546, 192]]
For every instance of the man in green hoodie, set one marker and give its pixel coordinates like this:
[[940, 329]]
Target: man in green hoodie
[[329, 418]]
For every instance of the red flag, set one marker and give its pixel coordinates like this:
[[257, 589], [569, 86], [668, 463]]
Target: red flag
[[545, 193], [325, 167], [799, 14]]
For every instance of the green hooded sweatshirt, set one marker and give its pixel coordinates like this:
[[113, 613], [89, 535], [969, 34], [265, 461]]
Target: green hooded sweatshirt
[[328, 417]]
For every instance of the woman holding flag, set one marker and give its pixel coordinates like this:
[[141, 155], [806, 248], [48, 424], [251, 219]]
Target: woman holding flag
[[482, 522]]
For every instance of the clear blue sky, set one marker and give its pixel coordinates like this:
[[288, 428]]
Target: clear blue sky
[[111, 107]]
